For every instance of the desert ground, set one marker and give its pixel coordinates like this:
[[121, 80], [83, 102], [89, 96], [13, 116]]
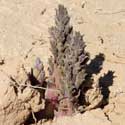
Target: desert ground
[[24, 36]]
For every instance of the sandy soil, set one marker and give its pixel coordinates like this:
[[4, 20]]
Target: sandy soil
[[24, 36]]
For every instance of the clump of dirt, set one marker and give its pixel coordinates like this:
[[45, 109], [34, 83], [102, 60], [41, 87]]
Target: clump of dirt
[[17, 104]]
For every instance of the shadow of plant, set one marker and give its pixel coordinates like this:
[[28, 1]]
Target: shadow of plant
[[104, 83], [95, 66]]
